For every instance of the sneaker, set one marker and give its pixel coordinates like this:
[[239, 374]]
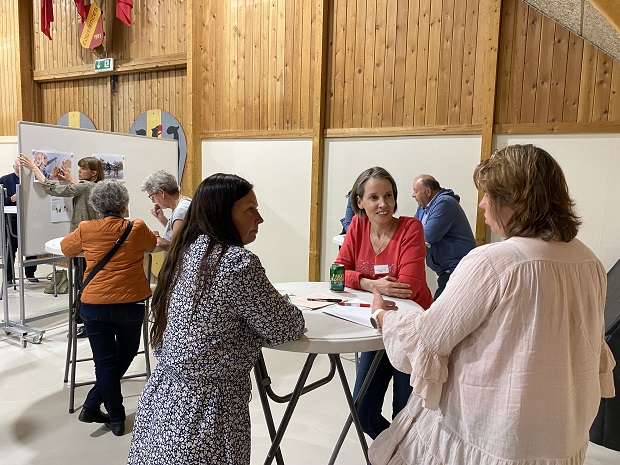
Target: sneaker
[[81, 332], [32, 279]]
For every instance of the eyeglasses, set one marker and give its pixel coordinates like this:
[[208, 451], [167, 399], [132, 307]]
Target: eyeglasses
[[152, 195]]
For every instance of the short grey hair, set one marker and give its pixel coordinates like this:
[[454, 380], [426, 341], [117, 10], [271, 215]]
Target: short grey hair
[[160, 179], [109, 198]]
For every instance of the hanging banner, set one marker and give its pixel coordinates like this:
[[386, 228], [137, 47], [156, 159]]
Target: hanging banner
[[91, 32]]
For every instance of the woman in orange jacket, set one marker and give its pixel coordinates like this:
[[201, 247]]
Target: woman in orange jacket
[[113, 303]]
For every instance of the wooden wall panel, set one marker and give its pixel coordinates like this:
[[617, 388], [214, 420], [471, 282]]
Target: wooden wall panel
[[258, 65], [549, 75], [404, 63], [158, 29], [9, 111], [89, 96], [137, 93]]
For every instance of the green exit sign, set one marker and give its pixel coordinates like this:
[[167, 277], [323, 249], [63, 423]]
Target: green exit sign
[[104, 64]]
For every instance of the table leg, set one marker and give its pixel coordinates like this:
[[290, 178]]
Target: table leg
[[262, 381], [353, 418]]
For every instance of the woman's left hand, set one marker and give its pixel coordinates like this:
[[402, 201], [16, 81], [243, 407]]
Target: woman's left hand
[[65, 175]]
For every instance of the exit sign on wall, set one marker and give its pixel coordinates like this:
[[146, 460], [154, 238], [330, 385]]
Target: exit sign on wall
[[105, 64]]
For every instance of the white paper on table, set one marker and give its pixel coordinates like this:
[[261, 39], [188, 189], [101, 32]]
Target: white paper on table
[[359, 315]]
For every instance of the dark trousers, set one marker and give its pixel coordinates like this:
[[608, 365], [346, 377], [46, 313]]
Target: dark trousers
[[442, 280], [369, 410], [30, 270], [114, 334]]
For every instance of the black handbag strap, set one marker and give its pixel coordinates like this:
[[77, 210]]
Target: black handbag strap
[[108, 256]]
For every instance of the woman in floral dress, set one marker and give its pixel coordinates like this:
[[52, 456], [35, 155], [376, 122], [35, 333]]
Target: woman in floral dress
[[212, 311]]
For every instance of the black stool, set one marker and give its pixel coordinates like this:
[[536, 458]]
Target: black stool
[[72, 360]]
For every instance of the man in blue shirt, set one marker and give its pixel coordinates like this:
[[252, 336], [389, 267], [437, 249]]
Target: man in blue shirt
[[10, 181], [447, 233]]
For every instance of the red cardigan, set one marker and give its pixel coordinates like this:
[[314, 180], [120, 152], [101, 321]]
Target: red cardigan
[[404, 256]]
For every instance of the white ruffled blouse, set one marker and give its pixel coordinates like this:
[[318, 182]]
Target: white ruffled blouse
[[508, 366]]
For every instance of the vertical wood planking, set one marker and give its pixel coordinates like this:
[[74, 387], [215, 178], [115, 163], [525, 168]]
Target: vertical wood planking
[[411, 62], [545, 64], [587, 83], [456, 62], [289, 59], [600, 108], [434, 53], [400, 77], [422, 63], [379, 63], [349, 64], [336, 63], [530, 74], [507, 33], [390, 61], [358, 65], [369, 60], [558, 75], [469, 62], [445, 62], [614, 96]]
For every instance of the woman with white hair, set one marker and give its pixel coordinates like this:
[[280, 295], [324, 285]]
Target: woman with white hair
[[163, 190], [113, 302]]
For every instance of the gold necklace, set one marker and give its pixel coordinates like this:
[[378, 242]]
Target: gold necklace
[[379, 248]]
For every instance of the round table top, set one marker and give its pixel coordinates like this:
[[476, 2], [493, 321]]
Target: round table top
[[53, 246], [327, 334]]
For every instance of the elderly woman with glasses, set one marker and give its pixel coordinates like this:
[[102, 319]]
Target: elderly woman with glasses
[[163, 190]]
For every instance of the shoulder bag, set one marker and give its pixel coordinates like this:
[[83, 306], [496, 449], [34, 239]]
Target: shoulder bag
[[97, 269]]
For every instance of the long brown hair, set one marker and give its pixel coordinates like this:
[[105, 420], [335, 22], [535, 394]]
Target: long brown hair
[[210, 214], [529, 180]]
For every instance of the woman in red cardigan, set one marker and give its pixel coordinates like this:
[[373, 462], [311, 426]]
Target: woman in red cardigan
[[386, 253]]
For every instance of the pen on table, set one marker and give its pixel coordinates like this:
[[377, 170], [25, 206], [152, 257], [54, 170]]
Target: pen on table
[[336, 301], [349, 304]]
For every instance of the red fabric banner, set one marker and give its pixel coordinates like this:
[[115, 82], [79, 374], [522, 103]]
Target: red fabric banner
[[123, 11], [81, 9], [47, 16]]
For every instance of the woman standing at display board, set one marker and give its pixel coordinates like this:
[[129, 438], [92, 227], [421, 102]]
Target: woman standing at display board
[[163, 190], [90, 172]]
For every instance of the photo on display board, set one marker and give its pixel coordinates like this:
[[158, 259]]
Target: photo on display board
[[51, 163], [61, 209], [113, 165]]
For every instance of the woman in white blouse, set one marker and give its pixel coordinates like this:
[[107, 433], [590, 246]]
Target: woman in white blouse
[[508, 366]]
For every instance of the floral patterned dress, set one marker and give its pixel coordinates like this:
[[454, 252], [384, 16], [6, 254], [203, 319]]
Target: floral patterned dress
[[194, 408]]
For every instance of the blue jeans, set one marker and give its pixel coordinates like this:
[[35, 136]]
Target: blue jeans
[[114, 334], [369, 410]]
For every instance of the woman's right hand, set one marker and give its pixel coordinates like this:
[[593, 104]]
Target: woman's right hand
[[388, 286], [158, 213], [26, 162], [34, 169]]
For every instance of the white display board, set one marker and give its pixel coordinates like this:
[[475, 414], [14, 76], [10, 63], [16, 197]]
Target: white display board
[[142, 155]]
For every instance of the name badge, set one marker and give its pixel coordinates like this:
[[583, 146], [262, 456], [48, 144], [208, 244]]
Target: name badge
[[382, 269]]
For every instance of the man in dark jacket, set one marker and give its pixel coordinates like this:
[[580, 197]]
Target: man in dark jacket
[[10, 181], [447, 233]]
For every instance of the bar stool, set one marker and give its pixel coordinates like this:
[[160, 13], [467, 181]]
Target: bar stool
[[72, 360]]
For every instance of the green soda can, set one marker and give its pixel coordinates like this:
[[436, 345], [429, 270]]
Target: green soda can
[[336, 277]]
